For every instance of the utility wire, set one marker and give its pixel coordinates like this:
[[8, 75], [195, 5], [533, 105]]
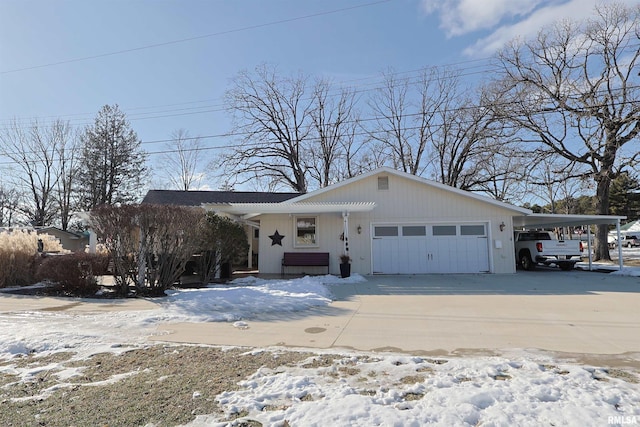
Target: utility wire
[[255, 145], [407, 78], [189, 39]]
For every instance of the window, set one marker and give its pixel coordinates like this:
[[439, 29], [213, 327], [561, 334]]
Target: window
[[256, 233], [472, 230], [414, 230], [383, 183], [306, 231], [385, 231], [444, 230]]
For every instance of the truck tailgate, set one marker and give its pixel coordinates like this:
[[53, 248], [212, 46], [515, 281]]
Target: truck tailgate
[[560, 247]]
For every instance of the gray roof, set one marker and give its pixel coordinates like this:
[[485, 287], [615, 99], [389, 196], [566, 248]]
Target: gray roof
[[196, 198]]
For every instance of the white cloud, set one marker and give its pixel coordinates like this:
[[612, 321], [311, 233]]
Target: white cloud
[[458, 17], [506, 19]]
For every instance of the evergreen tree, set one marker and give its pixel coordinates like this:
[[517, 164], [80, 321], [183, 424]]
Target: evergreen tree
[[625, 196], [113, 164]]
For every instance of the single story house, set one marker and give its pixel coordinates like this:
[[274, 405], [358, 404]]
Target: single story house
[[72, 241], [386, 221]]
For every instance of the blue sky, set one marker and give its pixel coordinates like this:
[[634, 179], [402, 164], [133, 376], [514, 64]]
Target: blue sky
[[164, 84]]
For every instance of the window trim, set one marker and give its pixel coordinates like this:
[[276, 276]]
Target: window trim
[[463, 234], [386, 236], [296, 244]]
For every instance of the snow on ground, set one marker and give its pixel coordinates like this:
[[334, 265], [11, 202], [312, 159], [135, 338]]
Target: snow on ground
[[246, 298], [351, 388], [395, 390]]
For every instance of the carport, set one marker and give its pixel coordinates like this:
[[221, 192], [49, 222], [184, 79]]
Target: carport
[[560, 220]]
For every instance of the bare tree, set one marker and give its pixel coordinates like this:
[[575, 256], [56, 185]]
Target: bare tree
[[9, 202], [503, 172], [575, 88], [273, 115], [405, 123], [183, 161], [67, 170], [35, 153], [554, 179], [467, 134], [333, 130]]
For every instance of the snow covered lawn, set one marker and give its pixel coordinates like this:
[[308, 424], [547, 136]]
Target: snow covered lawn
[[334, 387]]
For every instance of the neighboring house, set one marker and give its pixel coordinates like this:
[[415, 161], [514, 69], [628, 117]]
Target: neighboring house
[[631, 227], [386, 221], [74, 242]]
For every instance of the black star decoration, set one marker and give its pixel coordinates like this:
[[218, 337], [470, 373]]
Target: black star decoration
[[276, 238]]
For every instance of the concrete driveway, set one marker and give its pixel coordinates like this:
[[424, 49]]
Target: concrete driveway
[[574, 312]]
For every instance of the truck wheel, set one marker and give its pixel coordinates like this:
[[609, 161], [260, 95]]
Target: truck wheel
[[566, 266], [526, 262]]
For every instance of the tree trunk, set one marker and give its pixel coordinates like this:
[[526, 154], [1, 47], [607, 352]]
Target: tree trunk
[[603, 182]]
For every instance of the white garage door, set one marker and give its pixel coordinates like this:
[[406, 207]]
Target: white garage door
[[430, 248]]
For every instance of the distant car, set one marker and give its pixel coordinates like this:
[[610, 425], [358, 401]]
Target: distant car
[[630, 240], [612, 241]]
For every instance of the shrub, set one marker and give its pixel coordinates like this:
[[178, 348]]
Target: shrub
[[150, 245], [222, 241], [19, 256], [74, 273]]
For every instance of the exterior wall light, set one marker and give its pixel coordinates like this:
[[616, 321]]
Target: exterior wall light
[[502, 226], [359, 229]]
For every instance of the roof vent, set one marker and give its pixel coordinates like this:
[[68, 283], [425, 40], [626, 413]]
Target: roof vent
[[383, 183]]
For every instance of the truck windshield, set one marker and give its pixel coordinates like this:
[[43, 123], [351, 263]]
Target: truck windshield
[[534, 236]]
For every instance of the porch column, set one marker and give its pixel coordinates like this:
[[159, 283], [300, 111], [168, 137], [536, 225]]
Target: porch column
[[345, 230], [620, 263], [93, 242], [589, 247], [250, 232]]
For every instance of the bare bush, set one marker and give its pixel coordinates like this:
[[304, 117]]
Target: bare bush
[[75, 273], [149, 244], [19, 256], [223, 241]]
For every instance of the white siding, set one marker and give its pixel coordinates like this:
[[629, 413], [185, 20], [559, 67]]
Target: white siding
[[405, 201]]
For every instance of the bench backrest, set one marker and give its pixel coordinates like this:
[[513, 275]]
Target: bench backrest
[[306, 258]]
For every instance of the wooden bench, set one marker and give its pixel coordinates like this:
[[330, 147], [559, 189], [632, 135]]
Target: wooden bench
[[305, 259]]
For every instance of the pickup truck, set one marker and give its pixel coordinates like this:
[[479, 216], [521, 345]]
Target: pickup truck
[[541, 247]]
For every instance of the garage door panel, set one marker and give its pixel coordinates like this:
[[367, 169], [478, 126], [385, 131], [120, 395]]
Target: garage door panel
[[385, 256], [424, 248], [415, 261]]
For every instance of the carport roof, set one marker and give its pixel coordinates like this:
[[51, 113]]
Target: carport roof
[[559, 220]]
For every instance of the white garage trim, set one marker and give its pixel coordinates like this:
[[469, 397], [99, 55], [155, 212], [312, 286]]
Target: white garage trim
[[431, 247]]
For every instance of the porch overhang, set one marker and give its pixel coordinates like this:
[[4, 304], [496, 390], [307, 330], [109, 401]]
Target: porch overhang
[[250, 210]]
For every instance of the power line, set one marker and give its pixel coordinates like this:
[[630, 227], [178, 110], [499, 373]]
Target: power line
[[220, 107], [312, 139], [189, 39]]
